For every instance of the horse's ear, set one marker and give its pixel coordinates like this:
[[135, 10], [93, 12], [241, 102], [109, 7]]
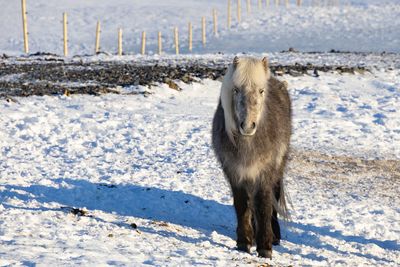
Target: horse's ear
[[235, 62], [265, 63]]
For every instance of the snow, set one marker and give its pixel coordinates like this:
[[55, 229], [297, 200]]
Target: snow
[[148, 161], [368, 26], [332, 105]]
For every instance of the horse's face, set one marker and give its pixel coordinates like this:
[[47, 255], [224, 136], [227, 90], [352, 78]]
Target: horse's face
[[248, 94], [248, 106]]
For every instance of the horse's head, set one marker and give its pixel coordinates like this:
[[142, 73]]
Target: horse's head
[[243, 95]]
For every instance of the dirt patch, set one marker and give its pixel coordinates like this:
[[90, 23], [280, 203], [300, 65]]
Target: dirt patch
[[342, 165], [52, 76], [367, 176]]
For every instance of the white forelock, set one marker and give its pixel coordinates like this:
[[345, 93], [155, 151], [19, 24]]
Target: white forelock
[[248, 71]]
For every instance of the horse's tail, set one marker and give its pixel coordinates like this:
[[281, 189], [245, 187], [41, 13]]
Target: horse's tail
[[283, 207], [282, 199], [280, 204]]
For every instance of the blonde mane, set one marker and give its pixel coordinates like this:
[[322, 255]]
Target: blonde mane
[[244, 71]]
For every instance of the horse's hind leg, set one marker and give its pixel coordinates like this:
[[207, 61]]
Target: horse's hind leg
[[274, 220], [242, 202]]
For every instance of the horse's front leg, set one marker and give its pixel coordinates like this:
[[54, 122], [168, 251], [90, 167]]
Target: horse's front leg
[[242, 203], [263, 214]]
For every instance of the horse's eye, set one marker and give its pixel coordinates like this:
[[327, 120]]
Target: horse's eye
[[261, 91], [235, 90]]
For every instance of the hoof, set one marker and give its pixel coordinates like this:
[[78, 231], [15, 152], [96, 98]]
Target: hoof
[[244, 247], [263, 253], [276, 242]]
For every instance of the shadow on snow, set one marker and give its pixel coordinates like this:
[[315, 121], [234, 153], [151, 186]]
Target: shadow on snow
[[131, 200], [174, 207]]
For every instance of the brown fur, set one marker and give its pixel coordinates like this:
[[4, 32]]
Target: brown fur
[[254, 166]]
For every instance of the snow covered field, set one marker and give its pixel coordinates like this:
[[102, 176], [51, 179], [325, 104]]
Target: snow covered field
[[148, 161], [130, 180]]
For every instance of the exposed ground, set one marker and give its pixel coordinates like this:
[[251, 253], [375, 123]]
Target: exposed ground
[[358, 173], [53, 75]]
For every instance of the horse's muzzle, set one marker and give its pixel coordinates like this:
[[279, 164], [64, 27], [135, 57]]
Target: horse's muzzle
[[248, 129]]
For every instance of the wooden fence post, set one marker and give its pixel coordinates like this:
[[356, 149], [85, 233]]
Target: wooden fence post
[[215, 22], [248, 7], [190, 39], [176, 41], [287, 3], [25, 26], [203, 27], [119, 42], [97, 44], [259, 5], [298, 2], [143, 42], [159, 43], [229, 15], [65, 27], [239, 11], [267, 3]]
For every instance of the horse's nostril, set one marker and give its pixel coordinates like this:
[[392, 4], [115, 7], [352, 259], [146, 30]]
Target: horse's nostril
[[248, 127]]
